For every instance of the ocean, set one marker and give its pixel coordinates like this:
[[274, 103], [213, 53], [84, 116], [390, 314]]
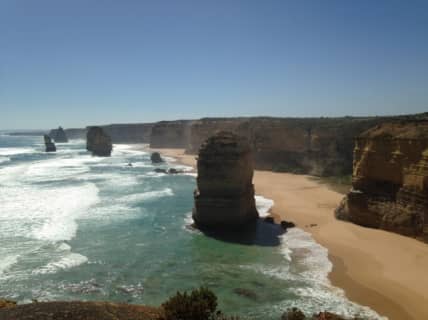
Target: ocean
[[78, 227]]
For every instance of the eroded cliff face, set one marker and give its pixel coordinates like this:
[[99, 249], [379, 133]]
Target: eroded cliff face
[[390, 179], [129, 133], [170, 134], [224, 197], [319, 146]]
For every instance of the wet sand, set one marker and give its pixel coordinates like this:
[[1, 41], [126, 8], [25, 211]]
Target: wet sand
[[379, 269]]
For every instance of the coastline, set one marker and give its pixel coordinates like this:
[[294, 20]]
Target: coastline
[[368, 263]]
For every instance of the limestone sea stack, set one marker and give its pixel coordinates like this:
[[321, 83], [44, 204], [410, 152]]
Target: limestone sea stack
[[390, 179], [224, 198], [98, 142], [58, 135], [50, 146]]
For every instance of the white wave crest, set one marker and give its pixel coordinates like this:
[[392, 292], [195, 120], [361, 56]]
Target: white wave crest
[[263, 205], [149, 195], [6, 262], [45, 214], [71, 260], [4, 159], [14, 151]]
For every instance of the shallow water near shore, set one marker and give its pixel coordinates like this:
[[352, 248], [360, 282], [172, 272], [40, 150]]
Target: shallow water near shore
[[73, 226]]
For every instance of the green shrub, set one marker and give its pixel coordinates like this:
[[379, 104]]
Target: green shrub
[[200, 304]]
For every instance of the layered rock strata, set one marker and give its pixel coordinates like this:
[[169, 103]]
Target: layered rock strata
[[318, 146], [224, 197], [390, 179], [49, 145], [98, 142]]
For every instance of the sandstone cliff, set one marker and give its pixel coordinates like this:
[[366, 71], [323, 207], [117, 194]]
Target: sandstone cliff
[[319, 146], [170, 134], [129, 132], [224, 197], [98, 142], [76, 133], [390, 179]]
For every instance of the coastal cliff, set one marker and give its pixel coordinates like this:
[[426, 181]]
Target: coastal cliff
[[390, 179], [129, 132], [318, 146], [224, 197], [170, 134]]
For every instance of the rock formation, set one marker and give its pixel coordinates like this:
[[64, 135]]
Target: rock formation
[[318, 146], [50, 146], [390, 179], [98, 142], [224, 197], [156, 157], [170, 134], [58, 135]]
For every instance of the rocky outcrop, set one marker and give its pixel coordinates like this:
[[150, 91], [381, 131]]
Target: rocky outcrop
[[170, 134], [155, 157], [58, 135], [390, 179], [49, 145], [224, 197], [98, 142]]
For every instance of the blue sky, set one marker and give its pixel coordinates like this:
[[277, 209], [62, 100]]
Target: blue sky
[[80, 62]]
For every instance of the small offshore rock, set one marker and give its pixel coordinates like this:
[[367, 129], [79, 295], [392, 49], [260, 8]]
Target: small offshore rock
[[287, 224], [156, 157], [159, 170]]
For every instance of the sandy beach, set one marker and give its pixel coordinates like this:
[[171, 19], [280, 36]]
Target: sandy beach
[[379, 269]]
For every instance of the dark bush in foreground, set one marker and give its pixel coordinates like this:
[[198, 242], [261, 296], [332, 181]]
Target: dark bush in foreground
[[200, 304]]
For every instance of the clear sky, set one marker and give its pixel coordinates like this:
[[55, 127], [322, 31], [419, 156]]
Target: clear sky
[[80, 62]]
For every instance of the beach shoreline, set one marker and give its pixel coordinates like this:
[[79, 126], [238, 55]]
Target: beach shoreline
[[368, 264]]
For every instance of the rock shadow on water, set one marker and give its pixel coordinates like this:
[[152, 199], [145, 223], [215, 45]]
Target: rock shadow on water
[[258, 233]]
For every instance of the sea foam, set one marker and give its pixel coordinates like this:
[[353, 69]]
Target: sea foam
[[14, 151], [70, 260], [45, 214]]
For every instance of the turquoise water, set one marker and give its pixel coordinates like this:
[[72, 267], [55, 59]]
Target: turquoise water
[[73, 226]]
